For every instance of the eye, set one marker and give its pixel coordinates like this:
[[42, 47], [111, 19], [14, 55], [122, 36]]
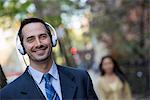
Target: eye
[[30, 39], [43, 36]]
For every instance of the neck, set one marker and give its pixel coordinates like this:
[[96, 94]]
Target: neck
[[42, 66], [110, 74]]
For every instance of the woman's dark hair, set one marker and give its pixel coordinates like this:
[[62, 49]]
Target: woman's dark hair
[[116, 68]]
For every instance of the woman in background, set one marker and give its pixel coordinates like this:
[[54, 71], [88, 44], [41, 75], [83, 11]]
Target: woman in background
[[112, 84]]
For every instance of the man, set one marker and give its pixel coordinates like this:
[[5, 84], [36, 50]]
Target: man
[[43, 79]]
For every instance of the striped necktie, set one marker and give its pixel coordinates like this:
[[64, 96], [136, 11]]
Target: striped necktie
[[50, 92]]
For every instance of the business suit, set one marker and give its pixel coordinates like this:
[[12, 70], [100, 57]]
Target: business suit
[[75, 84]]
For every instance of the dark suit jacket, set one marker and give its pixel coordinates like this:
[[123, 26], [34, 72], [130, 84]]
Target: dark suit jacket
[[75, 85]]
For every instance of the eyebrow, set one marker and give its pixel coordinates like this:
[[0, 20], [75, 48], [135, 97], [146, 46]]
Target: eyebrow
[[43, 34], [30, 37], [34, 36]]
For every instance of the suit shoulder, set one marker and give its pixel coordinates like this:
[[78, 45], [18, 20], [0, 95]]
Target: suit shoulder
[[73, 71], [13, 85]]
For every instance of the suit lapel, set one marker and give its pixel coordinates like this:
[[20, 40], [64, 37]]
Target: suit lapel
[[68, 86], [29, 87]]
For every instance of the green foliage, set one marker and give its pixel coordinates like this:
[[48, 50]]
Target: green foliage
[[12, 7], [17, 10], [54, 20]]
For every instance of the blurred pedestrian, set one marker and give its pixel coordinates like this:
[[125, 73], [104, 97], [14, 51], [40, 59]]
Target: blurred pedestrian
[[3, 80], [112, 84]]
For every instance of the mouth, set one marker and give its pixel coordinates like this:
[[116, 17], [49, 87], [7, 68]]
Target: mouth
[[40, 51]]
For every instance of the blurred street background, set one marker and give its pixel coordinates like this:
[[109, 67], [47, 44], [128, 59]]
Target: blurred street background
[[87, 30]]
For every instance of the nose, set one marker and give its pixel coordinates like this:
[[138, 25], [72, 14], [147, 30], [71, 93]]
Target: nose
[[38, 42]]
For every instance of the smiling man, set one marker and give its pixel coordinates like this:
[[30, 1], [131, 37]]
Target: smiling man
[[43, 79]]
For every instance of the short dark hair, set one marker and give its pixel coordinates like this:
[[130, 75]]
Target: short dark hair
[[32, 20], [116, 68]]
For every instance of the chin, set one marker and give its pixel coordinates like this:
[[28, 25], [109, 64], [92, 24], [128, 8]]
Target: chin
[[42, 58]]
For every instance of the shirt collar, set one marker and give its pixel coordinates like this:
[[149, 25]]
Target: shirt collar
[[37, 75], [53, 71]]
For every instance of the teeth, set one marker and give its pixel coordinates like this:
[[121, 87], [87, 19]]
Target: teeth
[[40, 49]]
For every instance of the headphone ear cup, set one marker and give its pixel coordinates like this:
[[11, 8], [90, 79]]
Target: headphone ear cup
[[53, 33], [54, 40], [19, 46]]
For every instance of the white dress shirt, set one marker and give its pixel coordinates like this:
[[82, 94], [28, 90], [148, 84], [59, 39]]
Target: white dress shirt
[[38, 78]]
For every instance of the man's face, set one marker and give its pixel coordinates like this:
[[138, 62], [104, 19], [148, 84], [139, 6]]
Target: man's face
[[36, 42]]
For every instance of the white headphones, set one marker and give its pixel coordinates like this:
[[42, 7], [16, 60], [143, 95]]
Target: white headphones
[[52, 32]]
